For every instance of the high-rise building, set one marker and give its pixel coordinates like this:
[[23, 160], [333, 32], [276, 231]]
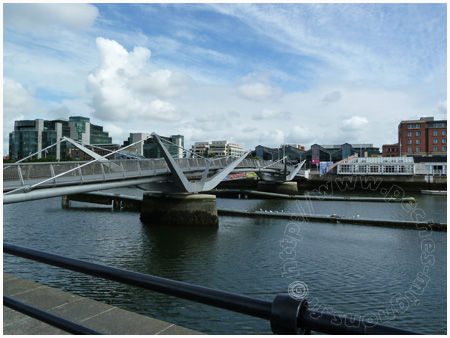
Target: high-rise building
[[31, 136], [82, 130]]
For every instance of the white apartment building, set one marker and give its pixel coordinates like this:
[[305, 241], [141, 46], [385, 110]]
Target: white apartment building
[[218, 149]]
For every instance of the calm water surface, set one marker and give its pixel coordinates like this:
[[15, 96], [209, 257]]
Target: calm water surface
[[347, 269]]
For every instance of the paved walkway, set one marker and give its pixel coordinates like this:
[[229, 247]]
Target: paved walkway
[[95, 315]]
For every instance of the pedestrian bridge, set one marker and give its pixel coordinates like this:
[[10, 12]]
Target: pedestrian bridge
[[29, 181]]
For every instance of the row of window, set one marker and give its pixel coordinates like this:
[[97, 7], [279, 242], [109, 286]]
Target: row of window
[[435, 133], [418, 149], [435, 141]]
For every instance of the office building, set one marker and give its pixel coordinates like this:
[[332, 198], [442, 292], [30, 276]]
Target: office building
[[423, 137], [149, 149], [32, 136], [217, 149]]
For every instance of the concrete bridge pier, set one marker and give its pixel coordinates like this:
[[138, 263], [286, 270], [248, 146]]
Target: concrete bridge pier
[[179, 209], [288, 188]]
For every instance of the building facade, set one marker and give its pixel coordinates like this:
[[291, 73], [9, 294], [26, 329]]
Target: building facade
[[149, 149], [32, 136], [217, 149], [423, 137], [82, 130], [390, 150]]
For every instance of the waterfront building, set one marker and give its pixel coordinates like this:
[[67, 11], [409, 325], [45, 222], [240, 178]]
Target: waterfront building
[[149, 148], [423, 137], [390, 150], [218, 148], [31, 136], [346, 150], [102, 150], [82, 130], [201, 148]]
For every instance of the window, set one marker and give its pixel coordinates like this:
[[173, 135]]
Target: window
[[435, 148], [409, 133], [409, 141], [444, 148], [389, 169], [414, 126], [417, 133], [444, 133], [444, 140], [435, 133], [417, 148], [418, 141], [435, 141], [409, 149]]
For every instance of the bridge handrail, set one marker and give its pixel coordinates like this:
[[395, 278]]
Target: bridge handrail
[[286, 314], [46, 174]]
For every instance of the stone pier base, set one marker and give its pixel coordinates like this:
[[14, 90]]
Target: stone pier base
[[288, 188], [179, 209]]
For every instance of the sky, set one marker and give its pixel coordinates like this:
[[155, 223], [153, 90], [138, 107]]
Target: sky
[[249, 73]]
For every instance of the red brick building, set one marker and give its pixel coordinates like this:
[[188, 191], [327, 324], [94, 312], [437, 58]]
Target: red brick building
[[390, 150], [424, 137]]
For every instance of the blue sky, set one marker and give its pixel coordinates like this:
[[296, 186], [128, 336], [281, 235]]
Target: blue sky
[[250, 73]]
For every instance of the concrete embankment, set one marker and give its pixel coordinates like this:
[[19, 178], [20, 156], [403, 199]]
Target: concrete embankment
[[242, 194], [335, 219], [378, 182], [101, 317]]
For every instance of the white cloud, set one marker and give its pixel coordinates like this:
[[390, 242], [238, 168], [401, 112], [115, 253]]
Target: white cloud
[[271, 114], [303, 135], [257, 87], [354, 123], [17, 103], [117, 133], [124, 90], [44, 17], [332, 97]]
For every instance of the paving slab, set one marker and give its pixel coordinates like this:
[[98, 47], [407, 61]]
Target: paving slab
[[89, 313]]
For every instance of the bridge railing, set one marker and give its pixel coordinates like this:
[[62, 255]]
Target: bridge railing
[[287, 315], [60, 173]]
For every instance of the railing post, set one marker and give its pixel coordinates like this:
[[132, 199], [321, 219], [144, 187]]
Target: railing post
[[139, 167], [103, 171], [20, 175], [52, 171], [81, 173]]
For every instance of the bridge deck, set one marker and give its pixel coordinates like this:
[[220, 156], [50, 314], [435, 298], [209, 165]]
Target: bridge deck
[[95, 315], [74, 173]]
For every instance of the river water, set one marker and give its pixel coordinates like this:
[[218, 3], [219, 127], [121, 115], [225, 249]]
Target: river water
[[396, 277]]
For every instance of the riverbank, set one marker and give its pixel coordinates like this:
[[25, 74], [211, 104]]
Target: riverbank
[[339, 183]]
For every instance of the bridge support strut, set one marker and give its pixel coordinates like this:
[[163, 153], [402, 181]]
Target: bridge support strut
[[179, 209]]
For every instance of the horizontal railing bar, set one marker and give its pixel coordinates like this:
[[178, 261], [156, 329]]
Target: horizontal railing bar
[[46, 317], [305, 319], [225, 300], [333, 324]]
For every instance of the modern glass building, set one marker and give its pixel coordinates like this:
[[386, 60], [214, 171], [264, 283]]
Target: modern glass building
[[149, 148], [31, 136]]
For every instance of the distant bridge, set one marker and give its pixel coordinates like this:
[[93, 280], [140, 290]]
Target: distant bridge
[[30, 181]]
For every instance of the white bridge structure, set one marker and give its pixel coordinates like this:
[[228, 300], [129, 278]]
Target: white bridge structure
[[38, 180]]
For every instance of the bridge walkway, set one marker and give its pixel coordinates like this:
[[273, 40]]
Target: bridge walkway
[[75, 173], [95, 315]]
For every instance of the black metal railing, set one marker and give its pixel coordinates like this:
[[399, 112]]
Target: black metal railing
[[286, 314]]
